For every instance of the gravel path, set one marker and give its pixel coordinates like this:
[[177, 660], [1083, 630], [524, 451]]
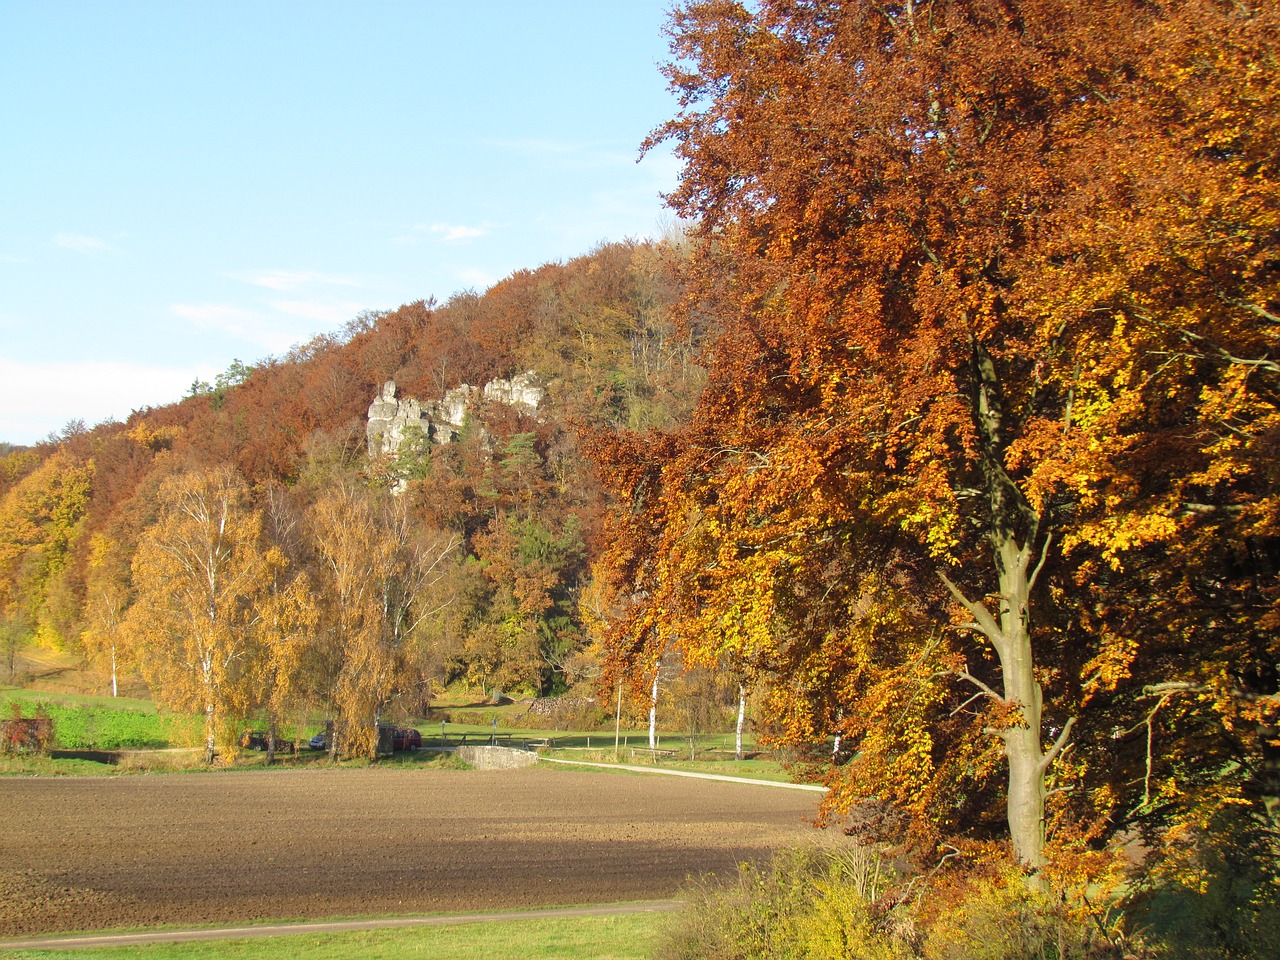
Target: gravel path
[[87, 941]]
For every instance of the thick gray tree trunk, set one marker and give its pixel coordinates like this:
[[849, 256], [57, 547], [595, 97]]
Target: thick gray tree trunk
[[1014, 535]]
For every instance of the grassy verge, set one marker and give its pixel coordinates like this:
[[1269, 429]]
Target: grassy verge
[[587, 938], [83, 722], [143, 739], [754, 769], [192, 761], [35, 697]]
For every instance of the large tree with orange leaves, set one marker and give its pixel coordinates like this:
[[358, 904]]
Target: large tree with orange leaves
[[984, 474]]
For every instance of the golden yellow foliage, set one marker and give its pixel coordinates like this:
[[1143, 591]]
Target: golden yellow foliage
[[199, 572], [986, 466]]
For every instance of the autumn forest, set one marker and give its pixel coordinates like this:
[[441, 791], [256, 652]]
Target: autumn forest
[[948, 427]]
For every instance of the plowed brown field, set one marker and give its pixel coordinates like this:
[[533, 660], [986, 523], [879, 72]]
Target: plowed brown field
[[91, 853]]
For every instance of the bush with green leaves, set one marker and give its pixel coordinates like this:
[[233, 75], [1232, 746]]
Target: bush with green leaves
[[1216, 894], [97, 726]]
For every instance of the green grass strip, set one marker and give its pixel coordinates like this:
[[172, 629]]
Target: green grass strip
[[622, 937]]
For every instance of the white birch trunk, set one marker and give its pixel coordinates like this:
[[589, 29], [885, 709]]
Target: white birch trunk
[[617, 720], [653, 711], [208, 733], [742, 716]]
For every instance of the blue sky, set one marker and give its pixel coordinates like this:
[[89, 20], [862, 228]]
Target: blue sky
[[188, 183]]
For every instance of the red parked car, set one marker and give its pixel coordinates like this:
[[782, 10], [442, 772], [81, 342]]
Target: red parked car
[[406, 738]]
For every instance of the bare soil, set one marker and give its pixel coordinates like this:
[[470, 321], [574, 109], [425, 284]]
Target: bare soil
[[229, 847]]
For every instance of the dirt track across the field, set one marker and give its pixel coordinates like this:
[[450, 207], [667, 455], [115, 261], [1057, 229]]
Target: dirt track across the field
[[95, 853]]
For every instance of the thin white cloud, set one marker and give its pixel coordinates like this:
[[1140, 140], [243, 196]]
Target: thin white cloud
[[327, 313], [81, 243], [37, 399], [534, 147], [285, 280], [16, 322], [276, 325], [270, 331], [479, 279], [442, 233], [215, 316], [624, 211], [663, 166], [562, 155], [451, 233]]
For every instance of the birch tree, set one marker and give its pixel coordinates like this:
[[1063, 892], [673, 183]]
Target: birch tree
[[287, 614], [106, 602], [199, 572], [378, 571]]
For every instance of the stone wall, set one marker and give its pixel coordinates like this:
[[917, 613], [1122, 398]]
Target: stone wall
[[496, 758]]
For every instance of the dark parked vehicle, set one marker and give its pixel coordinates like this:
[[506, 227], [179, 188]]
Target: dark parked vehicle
[[391, 739], [406, 738], [259, 739]]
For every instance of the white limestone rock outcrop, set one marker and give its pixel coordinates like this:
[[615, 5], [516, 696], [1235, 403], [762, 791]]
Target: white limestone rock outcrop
[[392, 419]]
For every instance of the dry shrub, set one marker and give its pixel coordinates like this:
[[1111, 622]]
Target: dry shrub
[[1219, 901], [751, 917], [580, 713], [475, 718], [998, 918], [160, 761], [852, 905], [805, 904], [841, 923]]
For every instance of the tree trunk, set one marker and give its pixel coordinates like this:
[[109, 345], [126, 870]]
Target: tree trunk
[[617, 721], [210, 690], [653, 711], [742, 715], [209, 744], [1012, 519], [1010, 636], [1022, 743]]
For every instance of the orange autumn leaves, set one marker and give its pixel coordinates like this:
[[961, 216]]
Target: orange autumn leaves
[[999, 290]]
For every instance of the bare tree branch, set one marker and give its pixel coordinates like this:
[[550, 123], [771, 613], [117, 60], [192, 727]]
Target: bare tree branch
[[1044, 555], [1059, 745], [985, 621]]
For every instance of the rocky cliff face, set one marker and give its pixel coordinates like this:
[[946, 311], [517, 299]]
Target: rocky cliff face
[[390, 419]]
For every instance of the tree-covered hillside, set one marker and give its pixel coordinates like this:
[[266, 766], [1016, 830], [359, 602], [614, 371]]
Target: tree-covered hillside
[[240, 549]]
